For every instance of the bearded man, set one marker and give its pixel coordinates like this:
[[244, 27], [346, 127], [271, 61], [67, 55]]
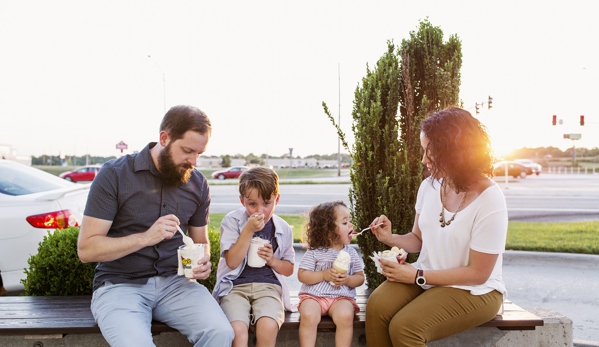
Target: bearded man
[[129, 227]]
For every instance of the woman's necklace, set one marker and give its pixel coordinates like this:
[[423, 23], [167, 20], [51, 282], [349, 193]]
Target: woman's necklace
[[442, 214]]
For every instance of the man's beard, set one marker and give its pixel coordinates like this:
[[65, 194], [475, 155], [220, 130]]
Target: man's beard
[[170, 173]]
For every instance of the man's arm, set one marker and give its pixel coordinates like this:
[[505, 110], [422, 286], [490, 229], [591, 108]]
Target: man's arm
[[199, 235], [94, 244]]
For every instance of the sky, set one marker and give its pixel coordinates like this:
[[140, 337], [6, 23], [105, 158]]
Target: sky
[[78, 77]]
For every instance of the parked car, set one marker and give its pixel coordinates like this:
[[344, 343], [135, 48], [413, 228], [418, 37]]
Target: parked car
[[536, 168], [232, 172], [32, 202], [513, 169], [82, 174]]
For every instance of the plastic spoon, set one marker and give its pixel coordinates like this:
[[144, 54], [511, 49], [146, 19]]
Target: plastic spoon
[[188, 241], [363, 230]]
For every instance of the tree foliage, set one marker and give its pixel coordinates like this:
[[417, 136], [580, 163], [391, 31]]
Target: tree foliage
[[407, 83], [226, 161]]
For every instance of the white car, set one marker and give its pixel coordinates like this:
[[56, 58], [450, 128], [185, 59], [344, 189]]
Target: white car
[[536, 168], [32, 202]]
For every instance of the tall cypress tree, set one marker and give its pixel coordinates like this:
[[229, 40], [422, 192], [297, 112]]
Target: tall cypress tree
[[419, 77]]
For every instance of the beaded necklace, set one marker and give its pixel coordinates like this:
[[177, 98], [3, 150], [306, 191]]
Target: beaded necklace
[[442, 214]]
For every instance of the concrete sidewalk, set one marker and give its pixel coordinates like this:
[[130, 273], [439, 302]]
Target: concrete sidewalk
[[563, 282]]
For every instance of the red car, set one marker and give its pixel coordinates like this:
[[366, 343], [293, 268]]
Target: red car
[[86, 173], [232, 172]]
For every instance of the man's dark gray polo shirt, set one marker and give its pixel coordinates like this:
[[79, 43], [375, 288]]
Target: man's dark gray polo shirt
[[129, 192]]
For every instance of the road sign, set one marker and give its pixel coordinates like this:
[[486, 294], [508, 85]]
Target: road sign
[[121, 145], [575, 136]]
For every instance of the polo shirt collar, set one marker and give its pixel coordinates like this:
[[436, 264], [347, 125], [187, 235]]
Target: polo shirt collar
[[143, 160]]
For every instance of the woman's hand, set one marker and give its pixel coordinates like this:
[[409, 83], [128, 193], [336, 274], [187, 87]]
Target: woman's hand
[[382, 231], [403, 273]]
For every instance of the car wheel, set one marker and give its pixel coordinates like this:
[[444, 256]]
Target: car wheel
[[522, 174], [537, 173], [68, 179], [221, 177]]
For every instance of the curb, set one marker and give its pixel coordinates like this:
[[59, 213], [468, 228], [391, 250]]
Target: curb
[[580, 343], [550, 257]]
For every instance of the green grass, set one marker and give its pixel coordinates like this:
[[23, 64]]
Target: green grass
[[571, 237], [55, 169]]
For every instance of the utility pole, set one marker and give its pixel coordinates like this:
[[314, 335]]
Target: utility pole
[[163, 83], [338, 137]]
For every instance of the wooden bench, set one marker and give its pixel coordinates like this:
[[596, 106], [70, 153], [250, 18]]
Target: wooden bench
[[56, 315]]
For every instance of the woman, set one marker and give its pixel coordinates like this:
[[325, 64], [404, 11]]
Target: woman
[[459, 230]]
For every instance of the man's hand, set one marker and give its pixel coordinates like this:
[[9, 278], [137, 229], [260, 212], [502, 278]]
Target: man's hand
[[203, 271], [164, 228]]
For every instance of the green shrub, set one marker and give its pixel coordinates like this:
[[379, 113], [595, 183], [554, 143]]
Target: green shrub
[[56, 268], [214, 237]]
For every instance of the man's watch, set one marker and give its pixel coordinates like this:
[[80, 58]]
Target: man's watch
[[420, 280]]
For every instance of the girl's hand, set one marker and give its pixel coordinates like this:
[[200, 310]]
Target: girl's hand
[[265, 252], [341, 279], [381, 232], [403, 273], [336, 278], [329, 275]]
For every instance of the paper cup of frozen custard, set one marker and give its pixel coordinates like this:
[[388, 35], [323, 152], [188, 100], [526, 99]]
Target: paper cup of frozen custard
[[189, 258], [254, 260]]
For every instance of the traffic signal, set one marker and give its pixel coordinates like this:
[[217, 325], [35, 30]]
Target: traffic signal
[[476, 106], [581, 120], [554, 122], [490, 102]]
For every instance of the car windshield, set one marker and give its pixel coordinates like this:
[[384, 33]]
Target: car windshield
[[18, 179]]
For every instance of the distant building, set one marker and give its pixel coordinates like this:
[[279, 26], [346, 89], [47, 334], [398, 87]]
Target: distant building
[[9, 153], [277, 163]]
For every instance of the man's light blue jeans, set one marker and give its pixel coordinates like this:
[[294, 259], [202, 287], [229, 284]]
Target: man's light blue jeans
[[124, 312]]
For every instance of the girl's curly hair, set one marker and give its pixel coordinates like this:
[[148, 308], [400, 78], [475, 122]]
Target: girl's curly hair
[[459, 147], [321, 227]]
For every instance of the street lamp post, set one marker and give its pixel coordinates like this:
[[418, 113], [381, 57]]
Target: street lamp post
[[339, 137], [163, 83]]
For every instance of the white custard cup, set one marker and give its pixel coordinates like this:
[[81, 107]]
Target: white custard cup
[[254, 260]]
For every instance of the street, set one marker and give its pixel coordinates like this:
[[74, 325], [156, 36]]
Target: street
[[544, 198]]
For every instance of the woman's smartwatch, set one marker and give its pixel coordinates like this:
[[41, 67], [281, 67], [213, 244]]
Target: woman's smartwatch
[[420, 280]]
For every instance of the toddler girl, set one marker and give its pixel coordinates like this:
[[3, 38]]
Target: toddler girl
[[324, 290]]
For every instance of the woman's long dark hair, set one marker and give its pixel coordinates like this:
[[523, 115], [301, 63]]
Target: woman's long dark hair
[[459, 147]]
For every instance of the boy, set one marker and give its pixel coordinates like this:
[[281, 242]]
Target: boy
[[255, 296]]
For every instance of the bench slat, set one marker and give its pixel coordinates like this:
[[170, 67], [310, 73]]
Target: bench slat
[[33, 315]]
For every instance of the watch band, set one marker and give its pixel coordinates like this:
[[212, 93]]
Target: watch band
[[420, 280]]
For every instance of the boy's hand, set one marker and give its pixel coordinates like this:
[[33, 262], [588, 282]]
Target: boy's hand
[[256, 222], [265, 252]]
